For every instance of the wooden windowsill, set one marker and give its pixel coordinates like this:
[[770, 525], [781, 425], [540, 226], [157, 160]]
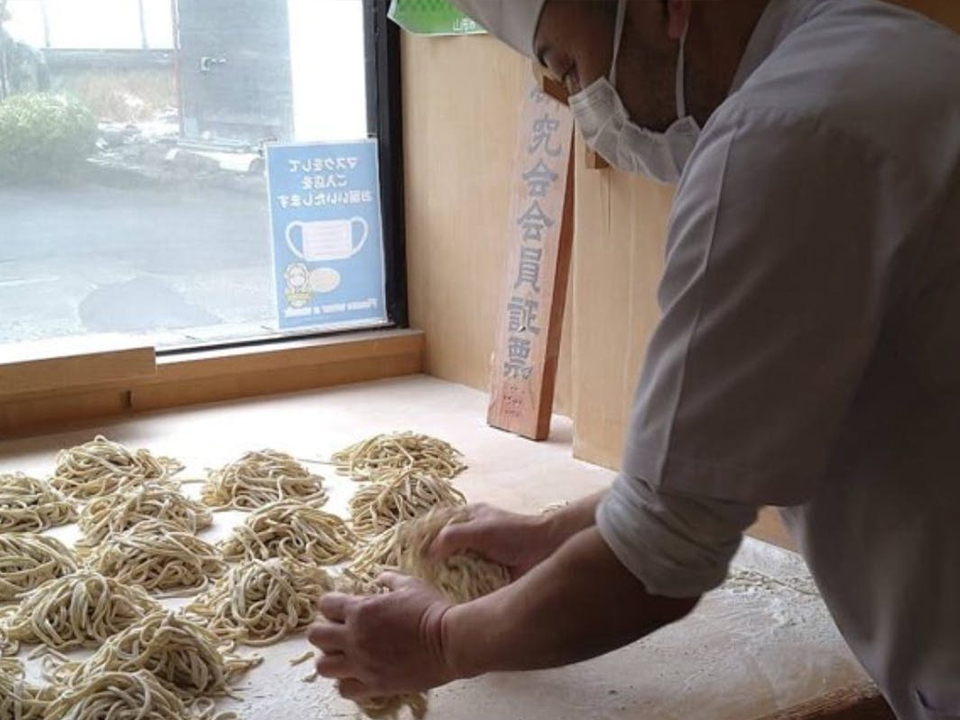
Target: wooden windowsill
[[109, 385], [49, 366]]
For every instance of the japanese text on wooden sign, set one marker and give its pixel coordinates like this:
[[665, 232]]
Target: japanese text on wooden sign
[[540, 232]]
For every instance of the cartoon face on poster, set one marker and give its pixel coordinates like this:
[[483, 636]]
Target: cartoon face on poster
[[327, 238]]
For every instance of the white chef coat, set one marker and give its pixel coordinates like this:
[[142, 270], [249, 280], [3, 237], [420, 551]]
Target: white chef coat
[[808, 354]]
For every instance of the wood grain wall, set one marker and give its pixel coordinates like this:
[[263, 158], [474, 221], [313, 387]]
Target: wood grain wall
[[461, 105], [461, 99]]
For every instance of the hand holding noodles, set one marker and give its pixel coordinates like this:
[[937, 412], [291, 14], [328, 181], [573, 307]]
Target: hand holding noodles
[[460, 578]]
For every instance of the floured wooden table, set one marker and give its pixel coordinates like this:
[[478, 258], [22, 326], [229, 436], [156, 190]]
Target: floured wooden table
[[764, 642]]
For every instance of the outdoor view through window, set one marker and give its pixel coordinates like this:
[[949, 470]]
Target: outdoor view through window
[[133, 184]]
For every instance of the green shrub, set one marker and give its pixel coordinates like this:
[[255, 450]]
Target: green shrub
[[43, 136]]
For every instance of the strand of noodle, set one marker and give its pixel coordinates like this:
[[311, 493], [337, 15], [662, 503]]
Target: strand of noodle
[[461, 577], [119, 696], [20, 700], [260, 601], [300, 659], [185, 656], [371, 458], [205, 709], [153, 501], [8, 647], [28, 560], [404, 496], [31, 505], [258, 478], [161, 559], [391, 707], [554, 507], [47, 653], [82, 609], [293, 530], [101, 467], [381, 552]]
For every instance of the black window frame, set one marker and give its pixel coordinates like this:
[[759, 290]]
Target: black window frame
[[385, 123]]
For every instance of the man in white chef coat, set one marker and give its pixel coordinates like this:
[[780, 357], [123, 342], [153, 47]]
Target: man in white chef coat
[[808, 355]]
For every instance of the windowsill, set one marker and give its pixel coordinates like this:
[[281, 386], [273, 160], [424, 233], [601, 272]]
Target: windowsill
[[189, 378]]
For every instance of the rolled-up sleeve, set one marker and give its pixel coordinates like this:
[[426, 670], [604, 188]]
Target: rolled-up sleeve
[[678, 546]]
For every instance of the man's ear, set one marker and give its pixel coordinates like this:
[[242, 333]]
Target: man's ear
[[678, 17]]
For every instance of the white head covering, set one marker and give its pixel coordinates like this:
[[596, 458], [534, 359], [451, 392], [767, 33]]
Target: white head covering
[[512, 21]]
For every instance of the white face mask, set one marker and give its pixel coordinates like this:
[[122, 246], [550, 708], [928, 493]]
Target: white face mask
[[607, 128]]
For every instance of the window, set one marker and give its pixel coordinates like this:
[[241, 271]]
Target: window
[[135, 138]]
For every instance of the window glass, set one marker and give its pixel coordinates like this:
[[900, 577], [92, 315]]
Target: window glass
[[133, 187]]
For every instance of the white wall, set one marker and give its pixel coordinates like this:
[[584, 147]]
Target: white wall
[[329, 84], [92, 24]]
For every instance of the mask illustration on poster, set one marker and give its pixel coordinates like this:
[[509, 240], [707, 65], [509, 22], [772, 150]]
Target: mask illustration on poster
[[326, 232]]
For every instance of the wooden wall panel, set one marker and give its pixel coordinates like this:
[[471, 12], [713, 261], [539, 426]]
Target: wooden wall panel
[[461, 104], [617, 263]]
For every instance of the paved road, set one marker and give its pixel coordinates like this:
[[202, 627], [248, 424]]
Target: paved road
[[85, 259]]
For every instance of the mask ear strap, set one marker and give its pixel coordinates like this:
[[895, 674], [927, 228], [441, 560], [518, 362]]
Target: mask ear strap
[[617, 38]]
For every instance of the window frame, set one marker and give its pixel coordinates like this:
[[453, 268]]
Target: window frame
[[66, 389], [383, 77], [385, 121]]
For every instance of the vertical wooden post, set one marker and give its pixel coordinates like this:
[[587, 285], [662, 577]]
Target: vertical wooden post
[[540, 231]]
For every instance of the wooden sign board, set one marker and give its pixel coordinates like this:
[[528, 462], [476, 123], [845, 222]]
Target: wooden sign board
[[553, 88], [540, 230]]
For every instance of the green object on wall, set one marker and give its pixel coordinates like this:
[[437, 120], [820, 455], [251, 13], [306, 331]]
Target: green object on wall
[[432, 17]]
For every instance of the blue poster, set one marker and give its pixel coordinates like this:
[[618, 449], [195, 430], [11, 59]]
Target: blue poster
[[327, 239]]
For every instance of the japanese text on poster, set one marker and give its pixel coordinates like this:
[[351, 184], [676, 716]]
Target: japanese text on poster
[[326, 231]]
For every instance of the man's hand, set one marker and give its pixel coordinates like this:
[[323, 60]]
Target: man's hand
[[518, 542], [383, 644], [580, 603]]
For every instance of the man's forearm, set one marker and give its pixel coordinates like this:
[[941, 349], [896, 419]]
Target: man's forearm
[[564, 524], [578, 604]]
